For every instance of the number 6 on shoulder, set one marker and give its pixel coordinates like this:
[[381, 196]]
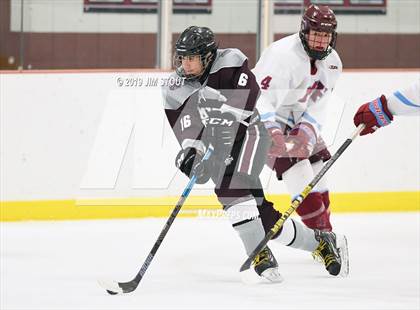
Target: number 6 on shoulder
[[243, 79]]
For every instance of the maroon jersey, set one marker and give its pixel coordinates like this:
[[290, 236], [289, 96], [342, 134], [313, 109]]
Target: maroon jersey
[[225, 101]]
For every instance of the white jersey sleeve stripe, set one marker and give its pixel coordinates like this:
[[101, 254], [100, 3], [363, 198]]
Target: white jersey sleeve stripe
[[312, 120], [267, 116], [405, 100]]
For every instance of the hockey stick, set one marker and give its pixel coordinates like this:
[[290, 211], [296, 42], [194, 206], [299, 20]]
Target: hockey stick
[[298, 200], [113, 287]]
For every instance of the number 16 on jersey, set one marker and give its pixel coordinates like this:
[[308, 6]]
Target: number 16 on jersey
[[185, 122]]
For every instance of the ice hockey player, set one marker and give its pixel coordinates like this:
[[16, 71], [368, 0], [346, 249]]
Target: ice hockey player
[[215, 107], [380, 112], [296, 75]]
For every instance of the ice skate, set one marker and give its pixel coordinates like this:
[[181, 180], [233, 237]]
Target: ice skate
[[266, 266], [333, 252]]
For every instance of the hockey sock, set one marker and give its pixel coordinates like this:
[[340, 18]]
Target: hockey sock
[[297, 236], [246, 221], [313, 212]]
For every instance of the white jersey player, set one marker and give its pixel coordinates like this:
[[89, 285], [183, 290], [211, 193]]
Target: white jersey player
[[380, 112], [297, 75]]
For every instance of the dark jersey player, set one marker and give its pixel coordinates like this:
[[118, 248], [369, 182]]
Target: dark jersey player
[[215, 107]]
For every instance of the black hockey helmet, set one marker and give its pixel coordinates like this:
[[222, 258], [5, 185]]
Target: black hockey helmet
[[195, 41], [318, 18]]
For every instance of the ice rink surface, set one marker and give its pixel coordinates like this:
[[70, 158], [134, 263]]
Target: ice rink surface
[[55, 265]]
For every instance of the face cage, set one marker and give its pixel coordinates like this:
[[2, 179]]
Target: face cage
[[315, 54], [177, 63]]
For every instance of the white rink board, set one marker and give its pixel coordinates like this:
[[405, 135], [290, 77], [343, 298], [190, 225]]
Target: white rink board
[[52, 125], [47, 265]]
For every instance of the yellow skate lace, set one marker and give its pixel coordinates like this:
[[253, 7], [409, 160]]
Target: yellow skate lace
[[261, 257], [317, 255]]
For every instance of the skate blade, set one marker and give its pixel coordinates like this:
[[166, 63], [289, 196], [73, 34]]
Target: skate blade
[[250, 277], [271, 275], [344, 254]]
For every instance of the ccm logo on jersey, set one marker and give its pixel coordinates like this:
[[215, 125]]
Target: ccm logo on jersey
[[218, 121], [333, 67], [213, 116]]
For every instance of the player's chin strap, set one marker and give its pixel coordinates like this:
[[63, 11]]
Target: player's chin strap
[[114, 287], [298, 200]]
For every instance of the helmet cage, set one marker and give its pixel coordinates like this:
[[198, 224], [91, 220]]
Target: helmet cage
[[204, 59], [327, 24]]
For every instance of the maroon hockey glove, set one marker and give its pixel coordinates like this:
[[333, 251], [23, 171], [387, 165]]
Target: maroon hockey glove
[[278, 146], [189, 162], [373, 114], [301, 140]]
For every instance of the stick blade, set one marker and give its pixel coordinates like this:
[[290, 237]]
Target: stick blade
[[112, 287], [246, 265]]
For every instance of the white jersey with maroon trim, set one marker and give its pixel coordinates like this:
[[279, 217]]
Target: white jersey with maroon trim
[[405, 101], [292, 91]]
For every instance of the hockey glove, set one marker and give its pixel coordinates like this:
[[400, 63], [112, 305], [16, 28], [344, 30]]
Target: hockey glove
[[278, 146], [189, 161], [301, 141], [373, 114]]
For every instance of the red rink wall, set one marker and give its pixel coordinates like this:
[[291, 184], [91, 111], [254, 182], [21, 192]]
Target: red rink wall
[[391, 42]]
